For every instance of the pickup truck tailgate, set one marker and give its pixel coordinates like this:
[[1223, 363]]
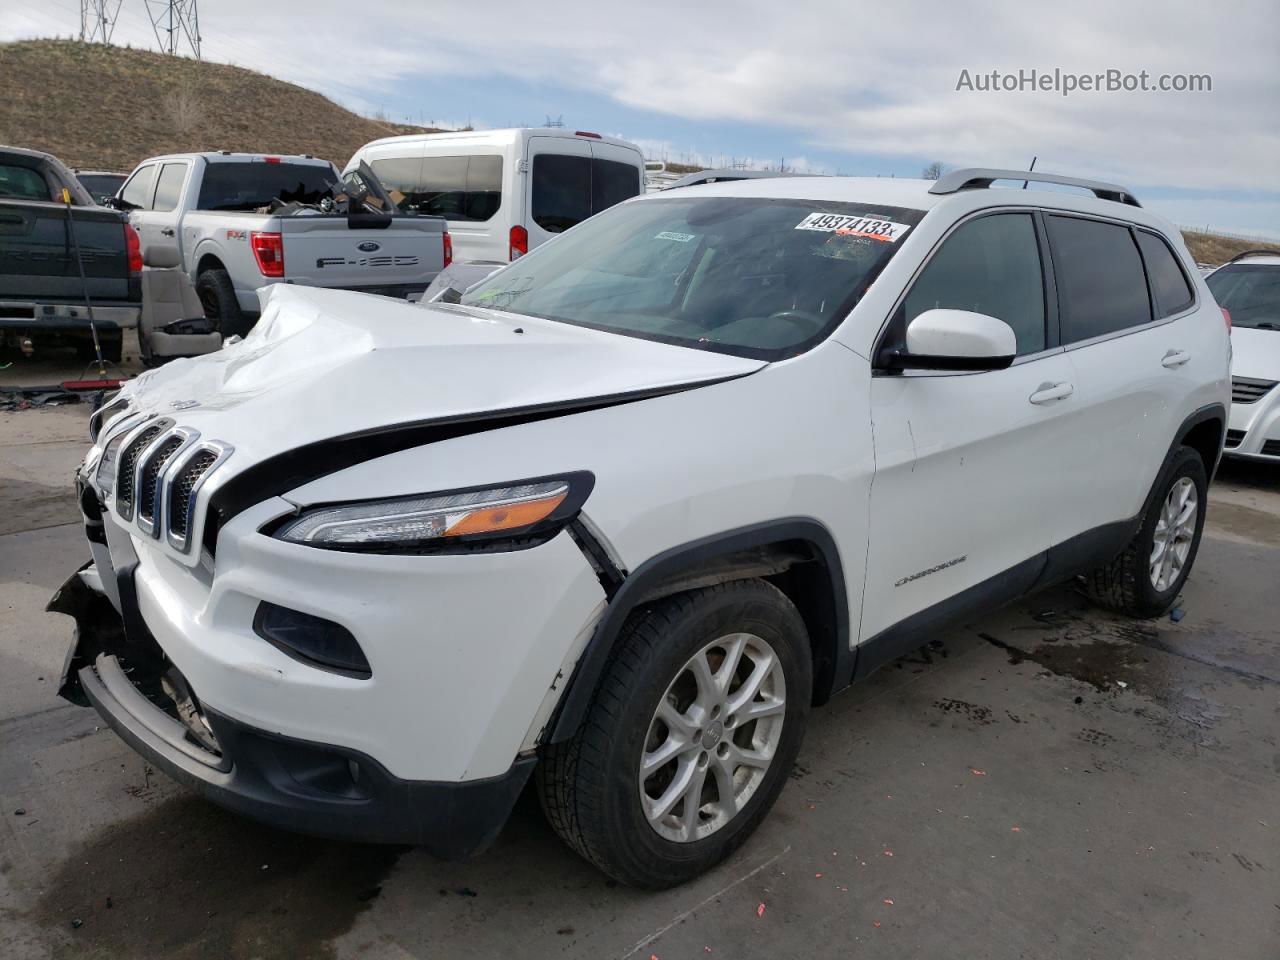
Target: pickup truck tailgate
[[331, 251], [37, 258]]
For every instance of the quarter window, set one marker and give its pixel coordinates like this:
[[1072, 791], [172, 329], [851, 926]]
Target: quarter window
[[169, 186], [137, 192], [456, 188], [1101, 286], [1168, 283], [990, 265]]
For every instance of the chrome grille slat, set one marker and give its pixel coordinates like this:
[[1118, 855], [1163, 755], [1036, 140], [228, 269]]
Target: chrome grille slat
[[147, 492], [180, 496], [1249, 390], [181, 489], [126, 468]]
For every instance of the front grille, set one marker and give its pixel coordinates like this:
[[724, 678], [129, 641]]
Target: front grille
[[148, 494], [1234, 438], [180, 491], [1271, 448], [129, 460], [1247, 390]]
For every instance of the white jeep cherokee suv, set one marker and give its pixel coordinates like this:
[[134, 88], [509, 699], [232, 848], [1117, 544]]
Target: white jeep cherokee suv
[[621, 516]]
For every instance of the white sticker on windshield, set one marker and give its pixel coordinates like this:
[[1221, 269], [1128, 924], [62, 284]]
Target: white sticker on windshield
[[871, 228], [678, 237]]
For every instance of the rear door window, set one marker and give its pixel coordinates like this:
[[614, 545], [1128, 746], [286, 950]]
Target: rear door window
[[990, 265], [567, 190], [561, 191], [1169, 284], [169, 186], [1102, 288], [612, 182], [137, 192]]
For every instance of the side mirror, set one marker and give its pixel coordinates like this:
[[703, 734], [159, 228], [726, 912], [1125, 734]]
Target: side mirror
[[956, 340]]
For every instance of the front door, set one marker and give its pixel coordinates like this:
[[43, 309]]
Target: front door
[[968, 465], [157, 221]]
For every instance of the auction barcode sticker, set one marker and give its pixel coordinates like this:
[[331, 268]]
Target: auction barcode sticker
[[873, 228]]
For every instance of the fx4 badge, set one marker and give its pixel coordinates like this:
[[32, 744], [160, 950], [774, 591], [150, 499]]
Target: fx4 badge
[[924, 573]]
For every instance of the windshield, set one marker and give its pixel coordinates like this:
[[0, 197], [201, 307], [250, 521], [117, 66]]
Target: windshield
[[236, 185], [754, 277], [1250, 292]]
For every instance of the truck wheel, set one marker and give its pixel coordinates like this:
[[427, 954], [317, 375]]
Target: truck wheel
[[1144, 580], [221, 308], [689, 738]]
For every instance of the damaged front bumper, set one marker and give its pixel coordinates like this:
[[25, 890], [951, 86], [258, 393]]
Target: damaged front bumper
[[116, 666]]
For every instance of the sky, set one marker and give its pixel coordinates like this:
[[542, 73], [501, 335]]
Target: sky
[[838, 86]]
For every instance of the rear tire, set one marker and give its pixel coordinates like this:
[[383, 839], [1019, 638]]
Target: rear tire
[[221, 308], [604, 800], [1144, 580]]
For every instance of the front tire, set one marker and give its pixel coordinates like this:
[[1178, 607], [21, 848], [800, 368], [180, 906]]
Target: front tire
[[689, 738], [1144, 580], [221, 307]]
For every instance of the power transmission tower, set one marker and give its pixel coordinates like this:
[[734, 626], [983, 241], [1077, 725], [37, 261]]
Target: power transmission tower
[[172, 20], [98, 19], [556, 121]]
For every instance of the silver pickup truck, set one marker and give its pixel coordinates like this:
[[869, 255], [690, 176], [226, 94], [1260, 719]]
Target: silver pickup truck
[[235, 222]]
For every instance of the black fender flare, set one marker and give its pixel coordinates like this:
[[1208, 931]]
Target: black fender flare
[[638, 588], [1210, 411]]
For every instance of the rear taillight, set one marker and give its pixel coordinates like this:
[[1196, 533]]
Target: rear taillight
[[268, 250], [519, 242], [1226, 317], [448, 249], [134, 248]]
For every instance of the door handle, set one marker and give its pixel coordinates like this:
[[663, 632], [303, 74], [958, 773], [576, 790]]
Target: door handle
[[1175, 358], [166, 232], [1049, 392]]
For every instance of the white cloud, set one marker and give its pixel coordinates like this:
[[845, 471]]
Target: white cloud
[[852, 77]]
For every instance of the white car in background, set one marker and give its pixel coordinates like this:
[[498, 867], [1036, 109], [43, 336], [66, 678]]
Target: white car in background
[[1248, 288], [505, 192], [619, 517]]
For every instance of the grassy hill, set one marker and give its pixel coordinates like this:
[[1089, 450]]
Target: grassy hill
[[106, 108]]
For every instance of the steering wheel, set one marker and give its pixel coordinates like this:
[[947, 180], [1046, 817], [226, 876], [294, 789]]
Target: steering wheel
[[809, 323]]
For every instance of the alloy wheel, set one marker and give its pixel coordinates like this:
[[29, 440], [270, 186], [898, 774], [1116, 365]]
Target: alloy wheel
[[1175, 530]]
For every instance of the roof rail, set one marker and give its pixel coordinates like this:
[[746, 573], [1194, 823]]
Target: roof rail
[[1259, 252], [982, 177]]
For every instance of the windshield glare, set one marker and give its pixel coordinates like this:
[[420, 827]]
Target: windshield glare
[[756, 277], [1250, 292]]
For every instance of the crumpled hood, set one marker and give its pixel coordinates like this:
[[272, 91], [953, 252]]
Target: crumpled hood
[[1255, 353], [326, 363]]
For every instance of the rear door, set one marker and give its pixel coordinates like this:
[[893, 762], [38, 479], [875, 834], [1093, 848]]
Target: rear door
[[617, 174], [1132, 363], [331, 251], [557, 187], [970, 467]]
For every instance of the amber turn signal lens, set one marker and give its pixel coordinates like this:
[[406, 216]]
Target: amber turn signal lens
[[509, 517]]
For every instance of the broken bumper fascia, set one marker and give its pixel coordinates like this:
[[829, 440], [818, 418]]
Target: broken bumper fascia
[[294, 784]]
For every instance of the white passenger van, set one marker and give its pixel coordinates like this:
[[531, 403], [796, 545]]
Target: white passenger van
[[504, 192]]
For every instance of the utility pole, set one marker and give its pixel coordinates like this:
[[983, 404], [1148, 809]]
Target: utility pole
[[173, 21], [98, 20]]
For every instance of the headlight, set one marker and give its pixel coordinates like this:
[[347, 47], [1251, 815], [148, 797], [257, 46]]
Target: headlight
[[524, 513]]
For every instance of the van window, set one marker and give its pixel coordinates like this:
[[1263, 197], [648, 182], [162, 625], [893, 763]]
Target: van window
[[567, 190], [990, 265], [169, 186], [1101, 285], [137, 192], [456, 188], [1168, 282]]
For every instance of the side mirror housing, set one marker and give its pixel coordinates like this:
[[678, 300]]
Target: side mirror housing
[[943, 339]]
